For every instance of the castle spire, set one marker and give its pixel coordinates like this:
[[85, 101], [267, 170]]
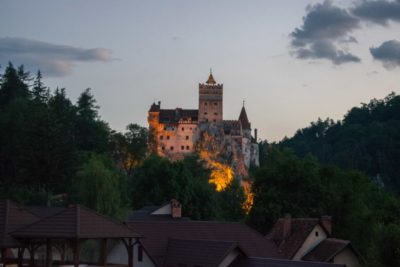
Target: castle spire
[[243, 119], [211, 78]]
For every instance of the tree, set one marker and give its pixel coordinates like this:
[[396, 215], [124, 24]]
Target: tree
[[185, 180], [98, 186]]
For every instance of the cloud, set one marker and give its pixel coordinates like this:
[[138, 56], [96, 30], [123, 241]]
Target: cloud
[[388, 53], [325, 28], [51, 59], [378, 11]]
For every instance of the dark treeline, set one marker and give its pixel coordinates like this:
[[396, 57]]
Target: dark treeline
[[55, 152], [368, 139]]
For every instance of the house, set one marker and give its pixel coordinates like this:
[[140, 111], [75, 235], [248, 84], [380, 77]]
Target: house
[[309, 239], [175, 242]]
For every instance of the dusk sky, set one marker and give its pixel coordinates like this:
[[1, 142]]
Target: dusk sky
[[292, 61]]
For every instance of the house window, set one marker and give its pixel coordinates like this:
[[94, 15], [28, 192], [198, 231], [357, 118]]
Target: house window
[[161, 137], [140, 253], [182, 147], [316, 233], [187, 137], [172, 148], [167, 137]]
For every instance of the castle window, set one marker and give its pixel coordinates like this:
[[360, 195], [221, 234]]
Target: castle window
[[183, 129], [182, 147], [215, 113], [163, 148], [161, 137], [205, 113], [171, 148], [167, 137], [205, 104], [187, 137], [165, 128], [215, 120], [215, 104], [187, 147]]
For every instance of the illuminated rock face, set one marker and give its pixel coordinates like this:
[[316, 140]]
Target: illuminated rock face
[[226, 145]]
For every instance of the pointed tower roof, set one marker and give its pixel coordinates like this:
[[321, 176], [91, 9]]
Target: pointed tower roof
[[243, 119], [211, 79]]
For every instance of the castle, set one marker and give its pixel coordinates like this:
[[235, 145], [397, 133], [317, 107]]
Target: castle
[[178, 132]]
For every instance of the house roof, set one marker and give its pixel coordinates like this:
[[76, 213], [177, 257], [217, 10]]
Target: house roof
[[157, 234], [43, 212], [205, 253], [244, 120], [266, 262], [326, 250], [12, 217], [75, 222], [174, 115], [300, 229], [145, 214]]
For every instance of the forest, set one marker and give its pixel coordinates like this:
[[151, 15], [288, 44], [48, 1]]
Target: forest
[[55, 152]]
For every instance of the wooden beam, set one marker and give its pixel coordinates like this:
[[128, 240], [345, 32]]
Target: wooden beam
[[103, 252], [21, 256], [130, 252], [3, 256], [77, 252], [48, 252]]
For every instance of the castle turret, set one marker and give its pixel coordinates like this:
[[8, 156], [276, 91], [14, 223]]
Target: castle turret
[[210, 100], [244, 121]]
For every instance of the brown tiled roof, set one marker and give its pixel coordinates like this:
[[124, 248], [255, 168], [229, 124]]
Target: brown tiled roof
[[12, 217], [326, 250], [156, 235], [300, 229], [43, 212], [205, 253], [75, 222], [244, 120], [265, 262], [174, 115]]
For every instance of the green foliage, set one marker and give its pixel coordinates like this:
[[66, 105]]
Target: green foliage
[[98, 186], [230, 201], [185, 180], [361, 211], [368, 139]]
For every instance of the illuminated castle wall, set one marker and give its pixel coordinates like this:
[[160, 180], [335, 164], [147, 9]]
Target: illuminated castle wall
[[175, 133]]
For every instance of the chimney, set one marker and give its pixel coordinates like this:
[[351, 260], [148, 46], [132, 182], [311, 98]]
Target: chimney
[[287, 225], [255, 134], [326, 222], [176, 208]]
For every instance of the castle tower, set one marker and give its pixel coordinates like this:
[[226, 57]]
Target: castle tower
[[210, 101], [153, 119]]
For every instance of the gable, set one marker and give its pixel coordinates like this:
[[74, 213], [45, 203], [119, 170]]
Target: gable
[[316, 236]]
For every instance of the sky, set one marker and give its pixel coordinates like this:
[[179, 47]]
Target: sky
[[292, 61]]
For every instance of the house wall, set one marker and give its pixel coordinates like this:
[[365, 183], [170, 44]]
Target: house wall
[[119, 255], [347, 257], [229, 258], [164, 210], [311, 241]]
